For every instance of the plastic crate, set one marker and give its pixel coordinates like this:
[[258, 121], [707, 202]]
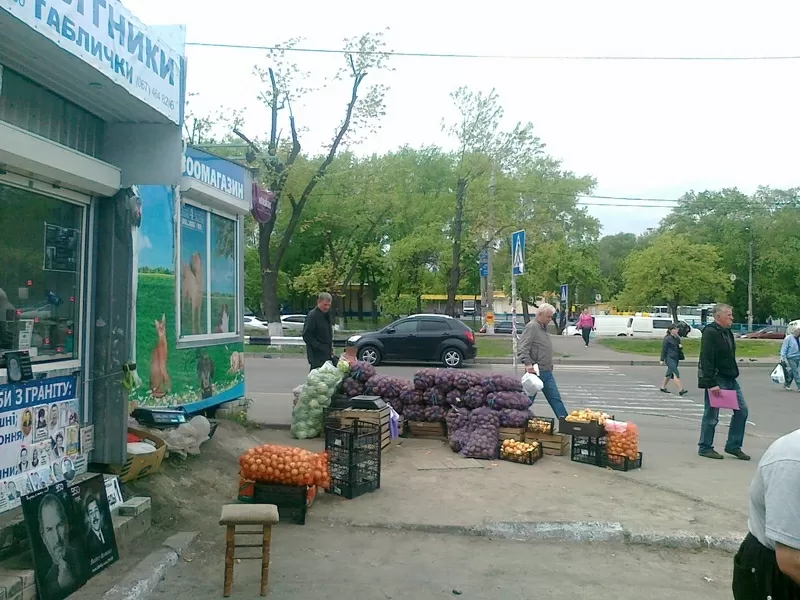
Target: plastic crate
[[354, 458], [618, 462], [527, 458], [588, 450], [291, 500], [541, 426]]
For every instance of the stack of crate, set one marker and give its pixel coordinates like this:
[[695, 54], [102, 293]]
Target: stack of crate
[[342, 417], [354, 458]]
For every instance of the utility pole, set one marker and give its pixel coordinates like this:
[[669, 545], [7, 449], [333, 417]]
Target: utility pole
[[489, 262], [750, 286]]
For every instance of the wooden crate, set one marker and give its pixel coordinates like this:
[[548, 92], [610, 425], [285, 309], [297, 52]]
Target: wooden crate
[[512, 433], [556, 444], [422, 429]]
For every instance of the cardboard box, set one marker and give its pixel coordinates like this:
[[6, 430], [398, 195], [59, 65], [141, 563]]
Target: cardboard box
[[141, 465], [581, 429], [512, 433], [423, 429], [555, 444]]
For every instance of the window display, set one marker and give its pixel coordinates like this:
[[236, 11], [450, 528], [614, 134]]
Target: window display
[[208, 273], [41, 274]]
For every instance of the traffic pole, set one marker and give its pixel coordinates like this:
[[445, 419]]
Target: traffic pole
[[514, 321]]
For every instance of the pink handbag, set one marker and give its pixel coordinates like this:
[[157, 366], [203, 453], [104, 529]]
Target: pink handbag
[[725, 399]]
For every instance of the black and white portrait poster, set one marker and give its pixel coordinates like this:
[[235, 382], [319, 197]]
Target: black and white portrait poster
[[72, 537], [100, 542], [57, 536]]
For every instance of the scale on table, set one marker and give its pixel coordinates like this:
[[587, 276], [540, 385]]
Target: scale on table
[[159, 418]]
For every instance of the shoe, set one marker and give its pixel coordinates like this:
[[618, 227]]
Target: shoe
[[711, 454], [683, 392], [738, 454], [665, 390]]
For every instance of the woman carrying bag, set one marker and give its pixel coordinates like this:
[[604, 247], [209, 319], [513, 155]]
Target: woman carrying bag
[[586, 325], [671, 355]]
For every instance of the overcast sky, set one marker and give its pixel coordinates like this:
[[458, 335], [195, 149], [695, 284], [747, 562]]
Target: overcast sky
[[644, 129]]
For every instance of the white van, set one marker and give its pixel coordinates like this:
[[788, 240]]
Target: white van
[[605, 326], [650, 327]]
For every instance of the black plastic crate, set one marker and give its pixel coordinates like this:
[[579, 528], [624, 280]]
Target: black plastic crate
[[619, 462], [541, 425], [354, 458], [588, 450], [591, 429], [526, 458], [291, 500]]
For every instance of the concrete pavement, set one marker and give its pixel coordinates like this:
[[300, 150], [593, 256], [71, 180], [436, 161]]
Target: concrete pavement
[[323, 562]]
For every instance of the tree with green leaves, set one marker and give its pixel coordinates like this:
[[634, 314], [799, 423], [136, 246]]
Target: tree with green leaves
[[614, 251], [674, 271], [293, 180]]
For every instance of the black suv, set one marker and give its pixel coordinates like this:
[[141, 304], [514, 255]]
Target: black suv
[[418, 338]]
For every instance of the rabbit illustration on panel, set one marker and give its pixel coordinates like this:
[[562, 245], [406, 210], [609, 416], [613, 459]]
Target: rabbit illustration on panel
[[159, 378]]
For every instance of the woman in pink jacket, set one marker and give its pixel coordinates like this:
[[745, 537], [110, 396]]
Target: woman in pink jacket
[[586, 325]]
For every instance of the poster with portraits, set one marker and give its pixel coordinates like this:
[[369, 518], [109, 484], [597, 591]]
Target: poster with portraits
[[40, 435], [71, 535]]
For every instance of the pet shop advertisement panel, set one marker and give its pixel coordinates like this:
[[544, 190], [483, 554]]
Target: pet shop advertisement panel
[[193, 378], [40, 435]]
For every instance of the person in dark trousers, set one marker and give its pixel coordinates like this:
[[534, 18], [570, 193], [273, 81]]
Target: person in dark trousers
[[768, 562], [586, 325], [318, 332], [718, 371], [671, 355]]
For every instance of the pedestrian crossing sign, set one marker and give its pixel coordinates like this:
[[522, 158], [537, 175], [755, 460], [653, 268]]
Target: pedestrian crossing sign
[[518, 252]]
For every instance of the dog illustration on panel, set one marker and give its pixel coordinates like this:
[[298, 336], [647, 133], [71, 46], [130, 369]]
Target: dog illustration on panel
[[237, 362], [159, 378], [205, 373], [224, 321], [192, 289]]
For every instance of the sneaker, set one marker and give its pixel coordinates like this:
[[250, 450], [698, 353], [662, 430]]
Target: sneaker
[[711, 454], [738, 454], [683, 392], [665, 390]]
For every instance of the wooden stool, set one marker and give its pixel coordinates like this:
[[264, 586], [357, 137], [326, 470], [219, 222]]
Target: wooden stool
[[265, 515]]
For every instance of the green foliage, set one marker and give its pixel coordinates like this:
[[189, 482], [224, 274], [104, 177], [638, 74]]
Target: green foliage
[[397, 306], [674, 271]]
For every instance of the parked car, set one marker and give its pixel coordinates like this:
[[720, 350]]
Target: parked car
[[773, 332], [418, 338], [294, 323], [255, 326], [505, 327]]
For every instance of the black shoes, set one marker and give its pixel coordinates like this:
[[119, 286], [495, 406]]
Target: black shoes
[[738, 454], [711, 454]]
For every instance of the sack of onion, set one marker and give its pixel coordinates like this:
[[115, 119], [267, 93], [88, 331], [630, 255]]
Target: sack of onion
[[622, 441], [287, 465]]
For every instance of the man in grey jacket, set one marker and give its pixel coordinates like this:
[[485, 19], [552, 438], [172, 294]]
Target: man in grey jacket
[[536, 353]]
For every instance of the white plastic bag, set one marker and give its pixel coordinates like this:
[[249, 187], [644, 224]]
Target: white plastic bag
[[531, 384], [777, 375]]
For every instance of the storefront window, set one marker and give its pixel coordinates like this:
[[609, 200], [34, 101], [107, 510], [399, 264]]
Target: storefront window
[[208, 273], [40, 273]]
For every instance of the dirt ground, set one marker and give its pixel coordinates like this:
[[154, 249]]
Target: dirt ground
[[418, 489], [319, 562]]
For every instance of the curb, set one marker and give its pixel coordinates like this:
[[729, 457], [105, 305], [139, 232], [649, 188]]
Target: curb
[[145, 576], [572, 532]]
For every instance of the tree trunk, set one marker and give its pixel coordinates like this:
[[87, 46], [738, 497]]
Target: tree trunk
[[673, 308], [272, 306], [458, 226], [526, 313], [360, 301], [419, 304]]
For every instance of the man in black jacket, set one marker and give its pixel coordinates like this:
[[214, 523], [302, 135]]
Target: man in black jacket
[[718, 371], [318, 332]]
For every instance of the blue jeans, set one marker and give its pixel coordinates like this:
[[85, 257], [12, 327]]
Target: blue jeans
[[793, 366], [711, 418], [552, 394]]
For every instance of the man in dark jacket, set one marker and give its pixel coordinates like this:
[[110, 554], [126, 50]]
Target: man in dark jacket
[[318, 332], [718, 371]]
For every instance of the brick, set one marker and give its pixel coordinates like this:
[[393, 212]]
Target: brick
[[134, 507]]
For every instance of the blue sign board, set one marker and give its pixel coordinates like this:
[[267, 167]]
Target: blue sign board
[[564, 292], [224, 175], [28, 394], [483, 263], [518, 253]]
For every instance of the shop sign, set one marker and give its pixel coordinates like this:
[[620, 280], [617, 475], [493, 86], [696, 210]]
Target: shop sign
[[221, 174], [106, 35], [263, 202]]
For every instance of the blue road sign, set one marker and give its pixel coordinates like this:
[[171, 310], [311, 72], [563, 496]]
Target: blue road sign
[[518, 253], [564, 292], [484, 269], [483, 263]]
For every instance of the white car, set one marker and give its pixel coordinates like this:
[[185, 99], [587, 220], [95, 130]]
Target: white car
[[254, 326], [294, 323]]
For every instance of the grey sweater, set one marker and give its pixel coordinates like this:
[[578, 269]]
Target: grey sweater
[[535, 346]]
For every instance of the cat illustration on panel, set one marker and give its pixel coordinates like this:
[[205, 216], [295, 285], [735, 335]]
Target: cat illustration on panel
[[159, 378]]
